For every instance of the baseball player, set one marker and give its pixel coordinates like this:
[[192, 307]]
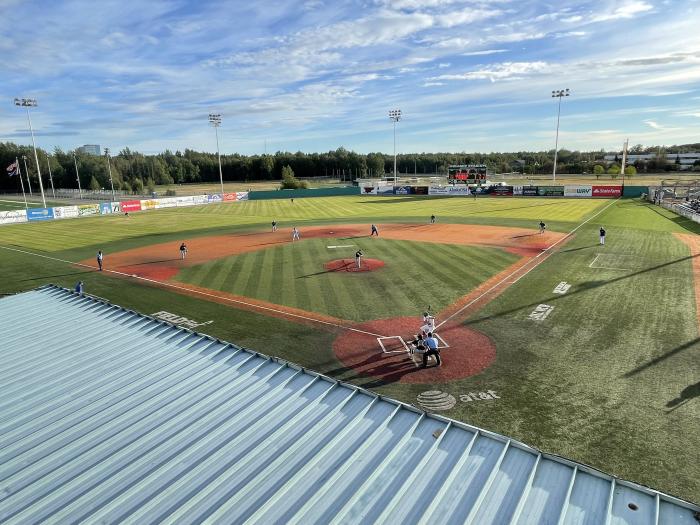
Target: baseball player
[[183, 250], [295, 234], [602, 236], [432, 219], [375, 231], [100, 256], [274, 226], [543, 226], [358, 258]]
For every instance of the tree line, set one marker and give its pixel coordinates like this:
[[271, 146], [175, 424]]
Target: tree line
[[136, 172]]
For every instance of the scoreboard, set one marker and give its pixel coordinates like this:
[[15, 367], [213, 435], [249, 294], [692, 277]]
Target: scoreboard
[[466, 173]]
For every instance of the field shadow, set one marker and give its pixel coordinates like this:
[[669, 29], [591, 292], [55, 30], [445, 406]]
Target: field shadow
[[577, 249], [56, 275], [688, 393], [315, 274], [153, 262], [657, 360]]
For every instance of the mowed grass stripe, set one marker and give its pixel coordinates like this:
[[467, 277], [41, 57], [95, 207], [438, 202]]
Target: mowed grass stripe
[[310, 263], [327, 294]]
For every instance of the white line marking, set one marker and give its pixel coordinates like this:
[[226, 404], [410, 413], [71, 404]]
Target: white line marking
[[535, 258], [343, 246], [184, 288], [379, 340], [611, 268], [594, 260]]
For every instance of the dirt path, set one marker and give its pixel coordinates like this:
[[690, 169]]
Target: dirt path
[[693, 242]]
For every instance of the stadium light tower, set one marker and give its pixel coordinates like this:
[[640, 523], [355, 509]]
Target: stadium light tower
[[395, 116], [27, 103], [215, 120], [77, 176], [109, 170], [558, 93]]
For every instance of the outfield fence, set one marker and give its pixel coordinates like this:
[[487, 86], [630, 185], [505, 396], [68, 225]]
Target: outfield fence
[[113, 207]]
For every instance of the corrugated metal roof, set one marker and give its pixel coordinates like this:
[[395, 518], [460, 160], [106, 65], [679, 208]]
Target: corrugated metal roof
[[109, 416]]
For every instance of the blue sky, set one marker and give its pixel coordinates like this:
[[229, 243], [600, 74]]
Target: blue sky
[[314, 75]]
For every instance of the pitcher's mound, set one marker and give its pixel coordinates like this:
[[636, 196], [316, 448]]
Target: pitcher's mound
[[349, 265]]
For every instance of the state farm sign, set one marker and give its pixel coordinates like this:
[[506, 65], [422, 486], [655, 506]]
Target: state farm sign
[[607, 191]]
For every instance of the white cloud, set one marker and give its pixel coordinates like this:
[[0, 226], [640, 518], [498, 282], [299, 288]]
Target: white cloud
[[503, 71], [431, 84], [483, 52], [627, 10], [443, 65]]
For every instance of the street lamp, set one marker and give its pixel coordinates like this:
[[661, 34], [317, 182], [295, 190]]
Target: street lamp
[[559, 93], [26, 172], [109, 170], [31, 103], [215, 120], [395, 116]]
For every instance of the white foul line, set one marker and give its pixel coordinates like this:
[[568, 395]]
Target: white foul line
[[537, 260], [191, 290], [594, 260]]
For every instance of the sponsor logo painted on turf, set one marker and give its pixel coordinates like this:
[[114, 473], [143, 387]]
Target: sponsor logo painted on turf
[[180, 322], [541, 312], [562, 288], [436, 401]]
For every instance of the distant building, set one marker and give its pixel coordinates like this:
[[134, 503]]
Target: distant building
[[90, 149], [686, 161]]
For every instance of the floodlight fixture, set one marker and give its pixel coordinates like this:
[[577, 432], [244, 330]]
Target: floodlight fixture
[[557, 93]]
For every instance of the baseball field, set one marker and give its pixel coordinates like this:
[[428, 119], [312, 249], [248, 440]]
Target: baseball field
[[583, 350]]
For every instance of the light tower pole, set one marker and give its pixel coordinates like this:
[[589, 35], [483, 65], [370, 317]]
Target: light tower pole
[[77, 176], [395, 116], [48, 163], [31, 103], [558, 93], [109, 170], [215, 120], [26, 172]]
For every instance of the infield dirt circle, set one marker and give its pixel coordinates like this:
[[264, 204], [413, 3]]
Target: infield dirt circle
[[469, 352], [350, 265]]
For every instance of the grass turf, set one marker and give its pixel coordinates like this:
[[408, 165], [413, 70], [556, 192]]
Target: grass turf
[[416, 275], [610, 378]]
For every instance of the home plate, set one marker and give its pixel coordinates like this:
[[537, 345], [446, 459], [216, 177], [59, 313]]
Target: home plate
[[342, 246]]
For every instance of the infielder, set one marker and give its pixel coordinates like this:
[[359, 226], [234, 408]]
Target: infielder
[[375, 231], [274, 226], [543, 226], [99, 259], [602, 236], [183, 250], [295, 234], [358, 258]]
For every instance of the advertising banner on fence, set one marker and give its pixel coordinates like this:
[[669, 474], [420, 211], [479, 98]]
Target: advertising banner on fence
[[578, 191], [40, 214], [419, 190], [459, 190], [149, 204], [607, 191], [88, 209], [116, 207], [438, 190], [517, 190], [169, 202], [184, 201], [385, 190], [65, 212], [129, 206], [7, 217], [530, 191], [550, 191], [402, 190], [200, 199], [502, 191], [214, 198], [241, 195], [230, 197], [105, 208], [368, 190]]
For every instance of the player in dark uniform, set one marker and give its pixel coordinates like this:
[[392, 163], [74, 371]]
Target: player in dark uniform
[[358, 258]]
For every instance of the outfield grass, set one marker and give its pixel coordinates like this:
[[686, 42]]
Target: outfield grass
[[172, 223], [12, 204], [610, 378], [416, 275]]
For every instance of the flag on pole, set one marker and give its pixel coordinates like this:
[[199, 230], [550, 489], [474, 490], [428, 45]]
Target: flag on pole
[[12, 169]]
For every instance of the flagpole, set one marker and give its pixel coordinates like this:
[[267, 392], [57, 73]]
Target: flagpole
[[19, 172]]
